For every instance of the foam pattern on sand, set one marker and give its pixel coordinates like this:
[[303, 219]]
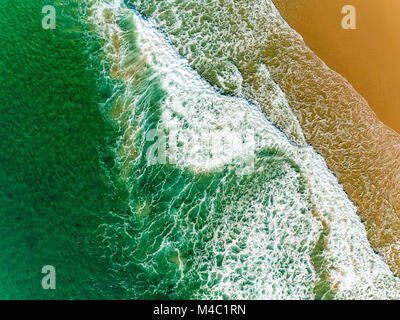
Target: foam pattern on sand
[[264, 220], [250, 37]]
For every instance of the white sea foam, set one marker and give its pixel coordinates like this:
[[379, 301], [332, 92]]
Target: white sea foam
[[267, 251]]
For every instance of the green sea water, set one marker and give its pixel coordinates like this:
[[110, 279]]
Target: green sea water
[[52, 190]]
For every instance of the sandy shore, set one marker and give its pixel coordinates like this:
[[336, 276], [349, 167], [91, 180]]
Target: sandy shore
[[368, 56], [362, 152]]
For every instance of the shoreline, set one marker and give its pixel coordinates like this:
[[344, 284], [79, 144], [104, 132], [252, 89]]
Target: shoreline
[[337, 120], [367, 57]]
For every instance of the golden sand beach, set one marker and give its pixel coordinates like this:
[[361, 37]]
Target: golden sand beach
[[368, 57], [363, 153]]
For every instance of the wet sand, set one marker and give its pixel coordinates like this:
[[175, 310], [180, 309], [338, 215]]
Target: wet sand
[[362, 151], [368, 57]]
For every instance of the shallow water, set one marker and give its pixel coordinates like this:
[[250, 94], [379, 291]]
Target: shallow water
[[251, 38]]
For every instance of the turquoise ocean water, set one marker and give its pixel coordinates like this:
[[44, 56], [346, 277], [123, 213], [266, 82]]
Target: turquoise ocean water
[[227, 206]]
